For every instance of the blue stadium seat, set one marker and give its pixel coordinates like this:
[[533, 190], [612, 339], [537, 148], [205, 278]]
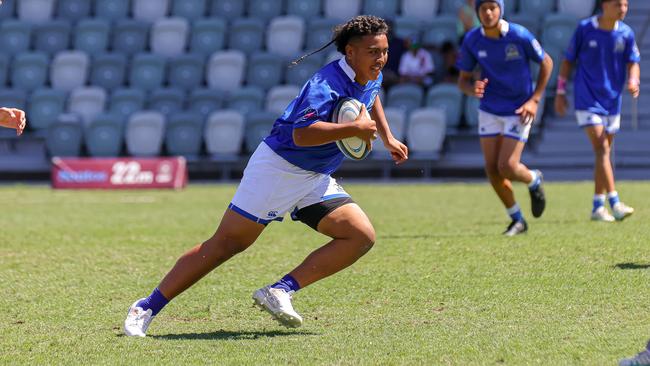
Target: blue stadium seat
[[264, 70], [224, 134], [441, 29], [166, 101], [184, 134], [579, 9], [265, 10], [87, 103], [471, 112], [125, 102], [226, 70], [320, 33], [112, 9], [15, 36], [147, 71], [299, 74], [73, 10], [52, 37], [4, 69], [258, 126], [285, 36], [405, 96], [130, 36], [149, 10], [14, 98], [29, 70], [246, 35], [511, 7], [306, 9], [448, 98], [69, 70], [108, 70], [405, 27], [426, 133], [279, 98], [342, 10], [205, 101], [169, 36], [92, 36], [208, 36], [451, 6], [189, 9], [104, 136], [44, 107], [529, 22], [64, 137], [396, 118], [246, 100], [186, 71], [539, 8], [227, 9], [144, 133], [557, 54], [8, 10], [386, 9], [420, 9], [558, 30], [35, 11]]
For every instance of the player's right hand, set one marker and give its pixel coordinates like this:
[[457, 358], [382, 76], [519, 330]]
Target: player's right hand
[[479, 88], [13, 118], [560, 105], [366, 127]]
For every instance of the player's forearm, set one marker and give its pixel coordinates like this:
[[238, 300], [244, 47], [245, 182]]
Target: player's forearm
[[377, 114], [545, 70], [465, 84], [321, 133], [563, 77], [634, 72]]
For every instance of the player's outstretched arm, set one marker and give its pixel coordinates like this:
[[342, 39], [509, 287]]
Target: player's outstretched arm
[[469, 87], [561, 102], [398, 151], [528, 111], [13, 118], [321, 133], [634, 79]]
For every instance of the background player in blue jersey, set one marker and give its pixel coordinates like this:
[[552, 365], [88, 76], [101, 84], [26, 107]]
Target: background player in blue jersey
[[508, 102], [290, 172], [605, 51], [13, 118]]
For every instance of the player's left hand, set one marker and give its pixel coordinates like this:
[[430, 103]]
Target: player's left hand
[[527, 112], [633, 88], [13, 118], [398, 151]]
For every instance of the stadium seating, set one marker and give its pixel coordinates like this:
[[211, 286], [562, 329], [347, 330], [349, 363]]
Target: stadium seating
[[14, 98], [420, 9], [64, 137], [29, 70], [126, 102], [224, 134], [44, 107], [529, 22], [382, 8], [279, 97], [227, 9], [396, 118], [104, 136], [52, 37], [112, 10], [246, 35], [4, 69], [208, 36], [108, 71], [129, 36], [183, 135], [169, 36], [258, 126], [306, 9], [264, 70], [451, 6], [406, 27], [426, 133], [226, 70], [166, 101], [145, 131], [265, 10], [87, 103], [191, 10], [69, 70], [246, 100], [92, 36], [320, 33], [471, 112], [73, 10], [186, 71], [300, 73], [205, 101], [448, 98], [8, 10], [405, 96], [149, 10], [341, 10], [579, 9], [35, 11], [15, 36], [539, 8], [558, 30], [441, 29], [285, 36], [147, 71]]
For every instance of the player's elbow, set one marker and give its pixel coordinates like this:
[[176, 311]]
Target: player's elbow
[[548, 62], [299, 138]]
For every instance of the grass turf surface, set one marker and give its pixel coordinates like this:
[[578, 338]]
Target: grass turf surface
[[441, 286]]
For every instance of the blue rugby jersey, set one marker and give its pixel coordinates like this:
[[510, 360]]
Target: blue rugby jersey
[[602, 57], [505, 62], [315, 103]]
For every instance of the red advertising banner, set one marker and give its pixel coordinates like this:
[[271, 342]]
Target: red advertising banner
[[121, 173]]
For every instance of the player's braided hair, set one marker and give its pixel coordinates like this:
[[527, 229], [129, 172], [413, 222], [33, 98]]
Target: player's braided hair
[[359, 26]]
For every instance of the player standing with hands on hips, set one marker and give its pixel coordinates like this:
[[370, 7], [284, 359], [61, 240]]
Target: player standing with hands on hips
[[290, 172], [604, 49], [509, 104]]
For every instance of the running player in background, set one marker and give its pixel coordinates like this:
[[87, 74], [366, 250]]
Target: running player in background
[[13, 118], [508, 103], [605, 51]]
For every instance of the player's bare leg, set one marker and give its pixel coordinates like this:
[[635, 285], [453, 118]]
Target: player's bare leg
[[502, 186]]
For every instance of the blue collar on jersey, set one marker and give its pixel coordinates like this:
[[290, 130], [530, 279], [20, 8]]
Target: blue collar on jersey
[[594, 22], [505, 27]]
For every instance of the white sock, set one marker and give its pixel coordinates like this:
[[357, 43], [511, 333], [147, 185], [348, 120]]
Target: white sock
[[534, 180]]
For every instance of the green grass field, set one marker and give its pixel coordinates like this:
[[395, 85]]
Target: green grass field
[[440, 287]]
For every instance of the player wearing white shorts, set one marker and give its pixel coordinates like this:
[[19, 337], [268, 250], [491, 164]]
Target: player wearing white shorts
[[508, 103], [604, 49], [290, 173]]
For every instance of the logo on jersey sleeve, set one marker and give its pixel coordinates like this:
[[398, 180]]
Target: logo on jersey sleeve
[[512, 52], [537, 47], [307, 114], [635, 50]]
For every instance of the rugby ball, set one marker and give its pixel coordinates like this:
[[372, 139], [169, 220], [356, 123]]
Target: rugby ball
[[346, 111]]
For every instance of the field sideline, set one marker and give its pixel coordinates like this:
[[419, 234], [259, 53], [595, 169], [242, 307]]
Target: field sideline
[[440, 287]]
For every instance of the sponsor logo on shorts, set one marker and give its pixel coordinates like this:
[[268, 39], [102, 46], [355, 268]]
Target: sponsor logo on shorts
[[272, 214]]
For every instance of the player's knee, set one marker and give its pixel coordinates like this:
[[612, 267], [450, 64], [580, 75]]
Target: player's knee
[[507, 169], [492, 171], [225, 247], [365, 239], [602, 149]]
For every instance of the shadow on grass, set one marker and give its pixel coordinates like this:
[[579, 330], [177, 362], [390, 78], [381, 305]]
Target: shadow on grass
[[232, 335], [632, 266]]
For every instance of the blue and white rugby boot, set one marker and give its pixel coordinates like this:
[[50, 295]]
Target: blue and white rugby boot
[[277, 302], [621, 211], [516, 227], [137, 321]]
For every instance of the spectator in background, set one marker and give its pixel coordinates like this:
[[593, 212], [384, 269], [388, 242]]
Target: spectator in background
[[13, 118], [449, 55], [467, 19], [416, 65], [396, 50]]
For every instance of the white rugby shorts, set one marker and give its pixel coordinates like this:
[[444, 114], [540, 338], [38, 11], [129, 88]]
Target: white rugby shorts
[[509, 126], [611, 123]]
